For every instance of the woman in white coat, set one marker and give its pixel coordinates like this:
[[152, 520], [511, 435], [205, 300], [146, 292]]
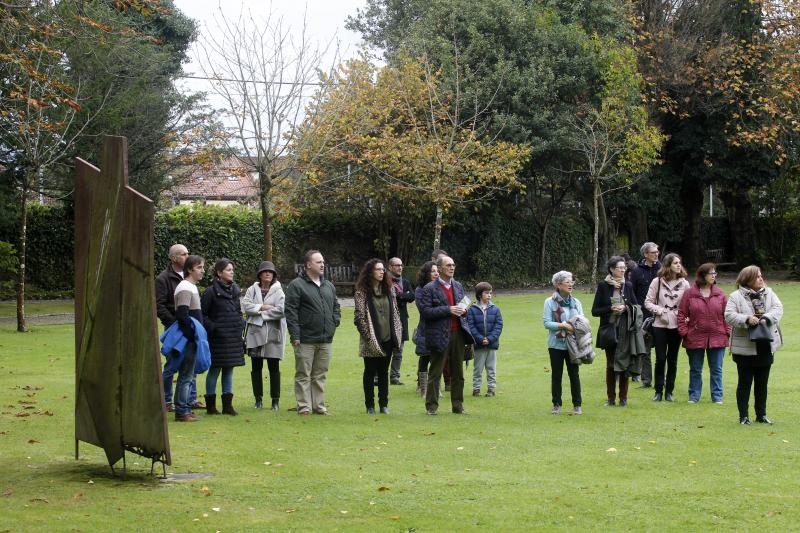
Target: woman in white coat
[[265, 336], [753, 305]]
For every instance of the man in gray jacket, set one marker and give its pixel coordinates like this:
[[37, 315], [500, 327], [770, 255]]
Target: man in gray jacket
[[312, 316]]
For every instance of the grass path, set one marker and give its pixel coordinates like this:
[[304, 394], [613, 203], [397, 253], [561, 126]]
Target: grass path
[[507, 466]]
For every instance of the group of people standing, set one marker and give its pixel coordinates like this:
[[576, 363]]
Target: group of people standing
[[655, 306], [652, 305]]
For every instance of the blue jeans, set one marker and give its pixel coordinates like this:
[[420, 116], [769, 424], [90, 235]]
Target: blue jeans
[[183, 403], [167, 377], [227, 380], [714, 356]]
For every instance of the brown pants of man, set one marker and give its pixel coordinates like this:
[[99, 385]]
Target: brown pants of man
[[453, 355]]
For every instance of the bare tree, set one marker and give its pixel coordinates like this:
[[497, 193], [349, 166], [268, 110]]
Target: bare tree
[[264, 73]]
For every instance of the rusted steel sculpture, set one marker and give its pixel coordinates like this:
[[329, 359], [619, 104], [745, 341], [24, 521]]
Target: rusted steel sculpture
[[119, 399]]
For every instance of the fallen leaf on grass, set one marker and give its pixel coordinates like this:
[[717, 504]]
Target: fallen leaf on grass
[[20, 415], [29, 407], [77, 496], [692, 462], [372, 503], [612, 450], [651, 441], [267, 463], [383, 488], [40, 499], [431, 433], [7, 493], [215, 509], [637, 447], [205, 515], [205, 490], [28, 387], [291, 510], [90, 482], [33, 441], [343, 512], [26, 402], [784, 440], [395, 518], [460, 448]]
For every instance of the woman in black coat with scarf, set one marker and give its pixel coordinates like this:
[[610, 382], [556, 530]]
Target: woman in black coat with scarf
[[222, 318], [612, 298]]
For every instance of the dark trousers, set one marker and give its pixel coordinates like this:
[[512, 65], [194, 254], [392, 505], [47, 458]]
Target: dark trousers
[[558, 359], [647, 364], [273, 365], [376, 366], [424, 361], [612, 377], [667, 344], [752, 375], [452, 356]]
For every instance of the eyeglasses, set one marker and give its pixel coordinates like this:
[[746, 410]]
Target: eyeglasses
[[711, 274]]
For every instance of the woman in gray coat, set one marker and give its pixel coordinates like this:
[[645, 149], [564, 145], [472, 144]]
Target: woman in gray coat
[[266, 326], [751, 305]]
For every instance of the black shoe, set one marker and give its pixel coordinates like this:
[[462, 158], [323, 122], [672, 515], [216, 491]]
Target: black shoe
[[669, 397], [395, 382], [645, 386], [431, 412], [657, 397], [275, 404], [745, 421], [384, 410], [636, 379], [458, 411], [609, 403], [623, 403], [370, 410], [763, 420], [259, 404]]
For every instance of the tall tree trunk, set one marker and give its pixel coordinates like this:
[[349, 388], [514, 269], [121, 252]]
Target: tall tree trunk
[[265, 184], [691, 196], [543, 244], [740, 220], [596, 236], [437, 229], [22, 325]]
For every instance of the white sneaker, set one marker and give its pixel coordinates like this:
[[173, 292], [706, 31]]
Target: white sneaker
[[556, 410], [718, 402], [577, 411], [692, 401]]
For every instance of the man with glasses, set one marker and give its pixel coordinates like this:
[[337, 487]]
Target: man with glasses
[[446, 334], [166, 282], [405, 295], [645, 272]]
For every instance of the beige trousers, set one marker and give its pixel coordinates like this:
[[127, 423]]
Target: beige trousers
[[311, 369]]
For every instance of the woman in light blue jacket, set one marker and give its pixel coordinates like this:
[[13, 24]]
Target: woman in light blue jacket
[[558, 310]]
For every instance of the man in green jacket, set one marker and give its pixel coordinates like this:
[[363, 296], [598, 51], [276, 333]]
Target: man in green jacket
[[312, 316]]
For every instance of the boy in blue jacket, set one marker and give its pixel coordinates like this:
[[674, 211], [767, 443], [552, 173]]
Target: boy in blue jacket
[[485, 325]]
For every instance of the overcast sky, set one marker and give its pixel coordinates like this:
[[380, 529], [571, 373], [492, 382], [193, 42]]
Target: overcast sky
[[325, 19]]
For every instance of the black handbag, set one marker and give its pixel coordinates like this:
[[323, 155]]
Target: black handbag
[[607, 336], [760, 332]]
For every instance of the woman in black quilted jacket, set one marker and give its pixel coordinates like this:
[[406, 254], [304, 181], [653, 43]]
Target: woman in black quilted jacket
[[222, 317]]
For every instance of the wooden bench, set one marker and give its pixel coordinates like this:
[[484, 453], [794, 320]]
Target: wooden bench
[[342, 276], [717, 256]]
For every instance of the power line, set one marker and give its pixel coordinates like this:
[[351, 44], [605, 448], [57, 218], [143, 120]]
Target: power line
[[249, 81]]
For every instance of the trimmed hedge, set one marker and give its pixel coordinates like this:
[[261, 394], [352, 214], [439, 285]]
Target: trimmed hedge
[[490, 245]]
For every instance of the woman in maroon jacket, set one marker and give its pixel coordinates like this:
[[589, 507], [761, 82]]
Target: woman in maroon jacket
[[701, 323]]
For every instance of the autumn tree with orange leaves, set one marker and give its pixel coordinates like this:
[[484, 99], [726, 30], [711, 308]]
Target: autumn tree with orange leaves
[[401, 147]]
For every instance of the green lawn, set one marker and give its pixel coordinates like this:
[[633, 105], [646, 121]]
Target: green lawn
[[507, 466], [9, 309]]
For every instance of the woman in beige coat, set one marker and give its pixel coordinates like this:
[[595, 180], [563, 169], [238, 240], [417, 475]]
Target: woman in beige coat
[[663, 298], [266, 326], [753, 304]]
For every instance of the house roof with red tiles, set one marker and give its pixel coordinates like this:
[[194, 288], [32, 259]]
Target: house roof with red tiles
[[229, 179]]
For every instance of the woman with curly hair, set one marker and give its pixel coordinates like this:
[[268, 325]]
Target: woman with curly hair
[[377, 320]]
